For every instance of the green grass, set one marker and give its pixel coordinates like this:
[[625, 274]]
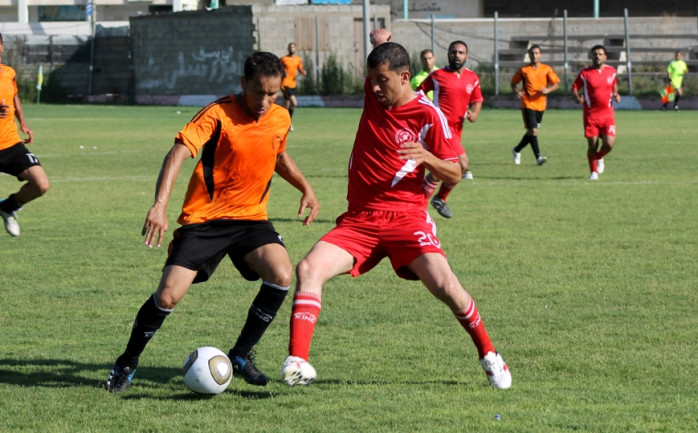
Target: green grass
[[587, 288]]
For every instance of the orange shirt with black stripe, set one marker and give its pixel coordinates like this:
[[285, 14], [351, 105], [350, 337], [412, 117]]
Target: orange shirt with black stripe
[[9, 136], [238, 157], [534, 79], [291, 64]]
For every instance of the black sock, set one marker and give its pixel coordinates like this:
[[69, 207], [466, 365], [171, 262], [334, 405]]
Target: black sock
[[10, 204], [524, 141], [259, 317], [290, 112], [676, 100], [534, 146], [148, 320]]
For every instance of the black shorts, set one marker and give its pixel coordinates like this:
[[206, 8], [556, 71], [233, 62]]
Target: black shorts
[[532, 118], [201, 247], [288, 92], [14, 160]]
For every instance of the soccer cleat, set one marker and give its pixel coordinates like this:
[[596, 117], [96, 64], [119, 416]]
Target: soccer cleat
[[517, 156], [297, 371], [468, 175], [291, 128], [120, 378], [441, 207], [594, 176], [600, 166], [541, 160], [676, 108], [243, 366], [11, 224], [496, 369]]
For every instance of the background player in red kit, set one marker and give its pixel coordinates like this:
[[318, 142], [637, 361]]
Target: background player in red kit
[[599, 86], [401, 135], [457, 93]]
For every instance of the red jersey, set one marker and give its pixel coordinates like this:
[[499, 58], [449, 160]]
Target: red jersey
[[598, 90], [378, 178], [453, 94]]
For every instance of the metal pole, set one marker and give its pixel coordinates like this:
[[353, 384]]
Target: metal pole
[[596, 8], [259, 36], [627, 53], [564, 43], [317, 55], [496, 57], [432, 34], [405, 6], [367, 29], [93, 12]]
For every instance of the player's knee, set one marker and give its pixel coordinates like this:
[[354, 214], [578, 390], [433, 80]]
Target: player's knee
[[165, 300], [282, 275], [42, 185]]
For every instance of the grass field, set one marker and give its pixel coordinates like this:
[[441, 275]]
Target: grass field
[[587, 288]]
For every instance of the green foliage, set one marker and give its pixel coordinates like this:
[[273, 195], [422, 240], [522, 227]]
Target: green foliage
[[307, 85], [335, 79], [587, 288]]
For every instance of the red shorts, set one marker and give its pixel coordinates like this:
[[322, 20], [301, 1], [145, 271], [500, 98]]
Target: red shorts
[[369, 236], [604, 126], [456, 143]]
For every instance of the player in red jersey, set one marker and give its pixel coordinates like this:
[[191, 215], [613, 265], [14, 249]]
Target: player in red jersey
[[457, 93], [598, 84], [401, 135]]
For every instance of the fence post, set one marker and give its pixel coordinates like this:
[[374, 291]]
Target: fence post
[[627, 53], [496, 57], [564, 44]]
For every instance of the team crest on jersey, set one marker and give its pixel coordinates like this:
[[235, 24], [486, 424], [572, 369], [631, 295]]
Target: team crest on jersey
[[403, 136], [610, 79], [469, 88]]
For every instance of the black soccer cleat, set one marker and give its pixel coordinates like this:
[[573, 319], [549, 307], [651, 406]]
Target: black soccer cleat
[[120, 377], [243, 366]]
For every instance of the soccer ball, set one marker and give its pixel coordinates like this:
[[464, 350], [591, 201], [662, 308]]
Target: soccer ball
[[207, 371]]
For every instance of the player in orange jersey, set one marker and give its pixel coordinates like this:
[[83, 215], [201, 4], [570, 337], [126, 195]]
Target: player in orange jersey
[[538, 80], [293, 65], [15, 158], [242, 142]]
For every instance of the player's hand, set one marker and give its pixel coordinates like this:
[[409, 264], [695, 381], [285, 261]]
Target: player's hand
[[413, 151], [25, 129], [379, 36], [308, 200], [471, 116], [616, 97], [155, 226]]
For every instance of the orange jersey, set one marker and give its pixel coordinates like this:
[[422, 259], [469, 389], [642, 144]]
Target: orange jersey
[[238, 158], [534, 79], [8, 89], [291, 64]]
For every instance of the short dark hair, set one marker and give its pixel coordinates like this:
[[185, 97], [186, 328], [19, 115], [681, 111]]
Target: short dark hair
[[263, 63], [389, 53], [424, 52], [599, 47], [533, 47], [457, 43]]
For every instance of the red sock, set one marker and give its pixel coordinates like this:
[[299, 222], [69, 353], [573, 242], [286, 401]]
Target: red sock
[[304, 315], [469, 319], [601, 153], [592, 162], [444, 191]]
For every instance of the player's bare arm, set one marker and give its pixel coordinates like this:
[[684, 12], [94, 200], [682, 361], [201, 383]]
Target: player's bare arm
[[474, 112], [550, 89], [446, 171], [616, 95], [579, 97], [156, 223], [19, 115], [288, 170]]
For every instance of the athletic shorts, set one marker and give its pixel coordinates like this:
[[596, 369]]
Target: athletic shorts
[[201, 247], [14, 160], [600, 127], [288, 92], [369, 236], [531, 118]]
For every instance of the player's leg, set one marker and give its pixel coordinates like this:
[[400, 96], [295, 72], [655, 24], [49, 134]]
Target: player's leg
[[272, 264], [679, 94], [293, 104], [434, 271], [20, 162], [324, 261], [439, 200], [174, 283]]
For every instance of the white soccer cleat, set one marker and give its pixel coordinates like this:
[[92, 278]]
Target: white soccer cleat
[[297, 371], [496, 369], [11, 224], [600, 166], [594, 176], [468, 175], [541, 160], [517, 156]]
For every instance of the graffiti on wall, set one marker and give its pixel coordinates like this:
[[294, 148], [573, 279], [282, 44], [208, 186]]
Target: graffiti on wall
[[221, 69]]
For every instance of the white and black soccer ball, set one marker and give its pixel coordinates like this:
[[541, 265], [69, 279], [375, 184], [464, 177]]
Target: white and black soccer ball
[[207, 371]]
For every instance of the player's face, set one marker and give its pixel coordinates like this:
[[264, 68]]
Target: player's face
[[679, 56], [259, 93], [428, 61], [457, 55], [535, 55], [387, 85], [291, 48], [598, 57]]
